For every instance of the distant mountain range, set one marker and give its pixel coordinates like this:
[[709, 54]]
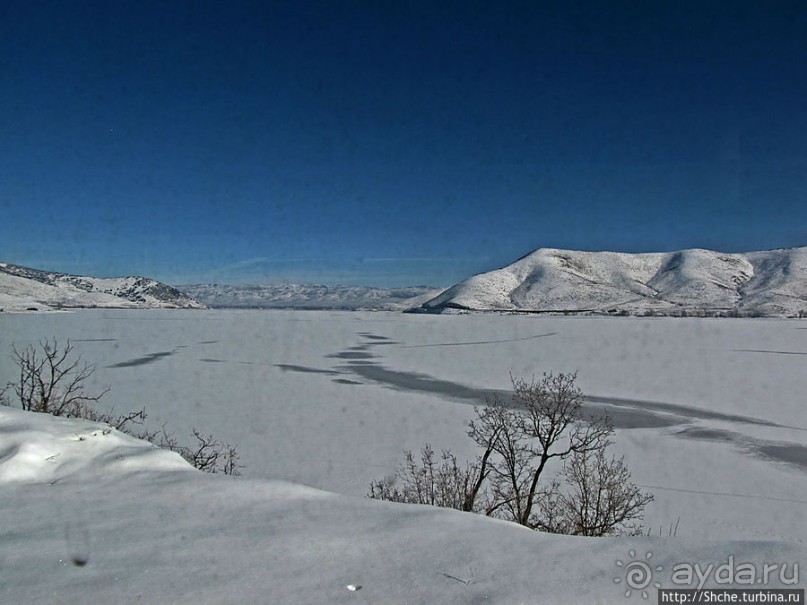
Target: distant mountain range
[[291, 296], [772, 283], [22, 288]]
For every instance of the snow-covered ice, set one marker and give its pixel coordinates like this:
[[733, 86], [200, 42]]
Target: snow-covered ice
[[712, 422]]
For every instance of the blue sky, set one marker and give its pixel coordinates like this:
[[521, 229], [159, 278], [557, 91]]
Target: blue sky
[[394, 143]]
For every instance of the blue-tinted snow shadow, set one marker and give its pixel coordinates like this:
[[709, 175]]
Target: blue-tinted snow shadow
[[624, 413], [141, 361], [790, 453]]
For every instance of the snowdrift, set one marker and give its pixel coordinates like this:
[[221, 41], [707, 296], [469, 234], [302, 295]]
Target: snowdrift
[[91, 515]]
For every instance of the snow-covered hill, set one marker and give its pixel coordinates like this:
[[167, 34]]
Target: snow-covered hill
[[93, 515], [701, 282], [293, 296], [22, 288]]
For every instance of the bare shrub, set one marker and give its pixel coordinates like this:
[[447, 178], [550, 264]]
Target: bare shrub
[[545, 423], [428, 481], [207, 454], [212, 456], [52, 381], [122, 422], [596, 498], [519, 440]]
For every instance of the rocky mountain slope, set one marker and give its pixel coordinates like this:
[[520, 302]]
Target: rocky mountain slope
[[23, 288]]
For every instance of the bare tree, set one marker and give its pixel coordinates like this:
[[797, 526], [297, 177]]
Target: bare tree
[[519, 439], [551, 427], [52, 380], [543, 422], [491, 422], [505, 459], [599, 498]]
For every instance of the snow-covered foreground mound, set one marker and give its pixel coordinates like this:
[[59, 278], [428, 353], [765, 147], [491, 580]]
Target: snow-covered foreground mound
[[91, 515], [770, 283]]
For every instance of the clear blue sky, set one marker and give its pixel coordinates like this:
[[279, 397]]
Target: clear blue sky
[[391, 143]]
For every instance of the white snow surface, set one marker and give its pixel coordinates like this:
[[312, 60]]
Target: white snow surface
[[321, 403], [771, 283], [24, 289]]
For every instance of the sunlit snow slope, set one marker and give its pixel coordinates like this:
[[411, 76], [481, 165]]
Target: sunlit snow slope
[[90, 515], [702, 282]]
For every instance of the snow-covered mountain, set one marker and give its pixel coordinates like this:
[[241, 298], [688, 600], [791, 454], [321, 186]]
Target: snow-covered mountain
[[292, 296], [22, 288], [700, 282]]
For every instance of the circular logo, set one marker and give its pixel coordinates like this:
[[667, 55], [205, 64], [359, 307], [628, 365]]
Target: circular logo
[[638, 574]]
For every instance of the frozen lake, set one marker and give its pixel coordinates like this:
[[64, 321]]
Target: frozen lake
[[710, 413]]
